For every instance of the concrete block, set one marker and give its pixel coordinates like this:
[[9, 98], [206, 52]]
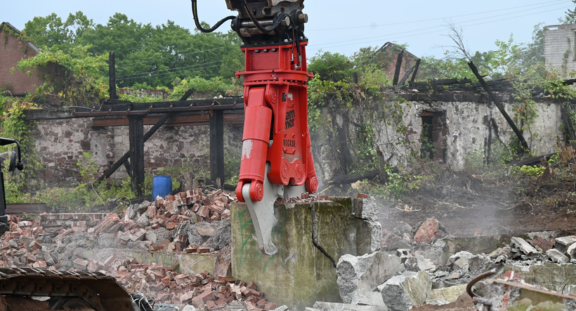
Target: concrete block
[[357, 275], [299, 274], [402, 292]]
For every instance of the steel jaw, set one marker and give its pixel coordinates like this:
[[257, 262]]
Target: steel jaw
[[262, 213]]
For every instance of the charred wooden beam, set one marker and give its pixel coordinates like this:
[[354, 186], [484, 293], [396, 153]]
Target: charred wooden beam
[[567, 120], [415, 70], [398, 67], [217, 147], [500, 107], [136, 133], [173, 120], [126, 156]]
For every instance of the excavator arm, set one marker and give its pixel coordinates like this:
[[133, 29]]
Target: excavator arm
[[276, 158]]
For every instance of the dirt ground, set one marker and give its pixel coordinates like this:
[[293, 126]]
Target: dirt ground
[[491, 202]]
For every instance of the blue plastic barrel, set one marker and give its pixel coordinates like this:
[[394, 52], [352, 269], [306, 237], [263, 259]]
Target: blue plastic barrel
[[161, 186]]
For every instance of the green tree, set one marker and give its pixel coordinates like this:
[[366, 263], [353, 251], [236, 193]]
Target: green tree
[[51, 31], [570, 17], [331, 67]]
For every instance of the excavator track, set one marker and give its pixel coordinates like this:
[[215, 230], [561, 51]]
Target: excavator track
[[62, 290]]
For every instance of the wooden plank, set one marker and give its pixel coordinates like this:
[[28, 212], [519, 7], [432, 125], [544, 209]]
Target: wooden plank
[[190, 120], [398, 67], [136, 133]]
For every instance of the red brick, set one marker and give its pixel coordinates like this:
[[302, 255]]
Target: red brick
[[204, 297], [427, 231], [544, 244], [203, 212], [80, 264]]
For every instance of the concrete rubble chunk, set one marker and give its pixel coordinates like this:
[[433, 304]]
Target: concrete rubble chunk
[[358, 275], [444, 296], [563, 243], [375, 236], [281, 308], [206, 229], [189, 308], [143, 221], [402, 292], [221, 236], [460, 260], [572, 251], [429, 230], [333, 306], [557, 256], [523, 246], [366, 209]]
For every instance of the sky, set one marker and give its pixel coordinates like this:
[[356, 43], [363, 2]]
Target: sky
[[340, 26]]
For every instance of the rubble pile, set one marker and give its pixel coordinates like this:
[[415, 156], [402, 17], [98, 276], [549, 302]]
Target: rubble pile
[[203, 291], [188, 222], [426, 266]]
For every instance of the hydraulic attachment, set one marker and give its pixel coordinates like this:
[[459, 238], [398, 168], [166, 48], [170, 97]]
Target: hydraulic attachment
[[277, 158]]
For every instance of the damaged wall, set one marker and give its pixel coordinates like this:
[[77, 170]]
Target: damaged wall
[[454, 127], [61, 144], [457, 128]]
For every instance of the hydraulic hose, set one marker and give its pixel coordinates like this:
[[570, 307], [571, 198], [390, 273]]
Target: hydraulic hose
[[197, 21], [277, 22]]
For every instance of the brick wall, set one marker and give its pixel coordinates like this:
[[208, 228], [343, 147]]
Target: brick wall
[[13, 50], [61, 145]]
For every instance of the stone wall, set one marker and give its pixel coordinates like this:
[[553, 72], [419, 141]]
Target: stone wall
[[465, 128], [456, 128], [61, 144]]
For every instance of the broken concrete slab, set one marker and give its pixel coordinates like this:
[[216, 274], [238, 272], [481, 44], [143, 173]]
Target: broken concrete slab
[[357, 275], [402, 292], [523, 246], [563, 243], [572, 251], [557, 256], [333, 306]]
